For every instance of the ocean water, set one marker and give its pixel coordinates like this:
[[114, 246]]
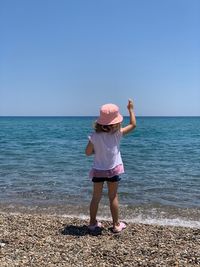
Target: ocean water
[[43, 168]]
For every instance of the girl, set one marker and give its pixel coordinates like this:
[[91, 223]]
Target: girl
[[104, 144]]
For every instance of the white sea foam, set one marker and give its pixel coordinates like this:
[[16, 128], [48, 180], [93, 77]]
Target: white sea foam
[[166, 222], [179, 222], [149, 220]]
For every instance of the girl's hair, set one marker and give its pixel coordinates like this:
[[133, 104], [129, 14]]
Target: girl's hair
[[112, 128]]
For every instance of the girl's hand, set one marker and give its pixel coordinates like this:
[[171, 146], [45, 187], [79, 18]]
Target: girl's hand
[[130, 104], [132, 123]]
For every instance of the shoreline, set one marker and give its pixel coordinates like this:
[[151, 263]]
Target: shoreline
[[49, 240], [136, 215]]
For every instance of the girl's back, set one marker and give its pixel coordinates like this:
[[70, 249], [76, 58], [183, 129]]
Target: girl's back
[[106, 149]]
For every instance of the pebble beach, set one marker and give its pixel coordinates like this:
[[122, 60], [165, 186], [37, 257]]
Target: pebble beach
[[40, 240]]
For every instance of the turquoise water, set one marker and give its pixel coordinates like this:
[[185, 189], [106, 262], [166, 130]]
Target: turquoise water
[[43, 167]]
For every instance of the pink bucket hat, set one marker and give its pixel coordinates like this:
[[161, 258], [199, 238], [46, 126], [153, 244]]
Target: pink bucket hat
[[109, 114]]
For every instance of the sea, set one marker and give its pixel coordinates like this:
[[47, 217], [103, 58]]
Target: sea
[[44, 169]]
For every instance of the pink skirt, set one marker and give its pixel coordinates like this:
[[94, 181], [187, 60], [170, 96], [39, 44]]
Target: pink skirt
[[107, 173]]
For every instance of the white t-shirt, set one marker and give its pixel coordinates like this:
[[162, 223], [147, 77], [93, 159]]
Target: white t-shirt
[[106, 150]]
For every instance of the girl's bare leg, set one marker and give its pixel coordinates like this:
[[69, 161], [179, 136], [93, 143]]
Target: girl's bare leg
[[114, 205], [94, 204]]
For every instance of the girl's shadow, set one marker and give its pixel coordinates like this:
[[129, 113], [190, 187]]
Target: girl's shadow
[[75, 230]]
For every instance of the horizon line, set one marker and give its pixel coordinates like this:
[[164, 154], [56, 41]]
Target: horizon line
[[59, 116]]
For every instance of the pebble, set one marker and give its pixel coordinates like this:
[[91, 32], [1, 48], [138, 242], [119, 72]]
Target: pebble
[[35, 240]]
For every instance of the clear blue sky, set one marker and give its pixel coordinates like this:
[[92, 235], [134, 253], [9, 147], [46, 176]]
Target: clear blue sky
[[68, 57]]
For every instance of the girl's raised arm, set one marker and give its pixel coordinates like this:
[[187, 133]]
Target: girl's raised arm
[[132, 123]]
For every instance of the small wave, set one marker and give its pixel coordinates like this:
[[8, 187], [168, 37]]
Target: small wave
[[166, 222], [152, 216], [178, 222]]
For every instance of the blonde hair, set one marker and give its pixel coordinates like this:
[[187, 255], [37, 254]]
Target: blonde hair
[[112, 128]]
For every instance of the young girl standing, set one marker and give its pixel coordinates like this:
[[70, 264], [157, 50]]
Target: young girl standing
[[104, 143]]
